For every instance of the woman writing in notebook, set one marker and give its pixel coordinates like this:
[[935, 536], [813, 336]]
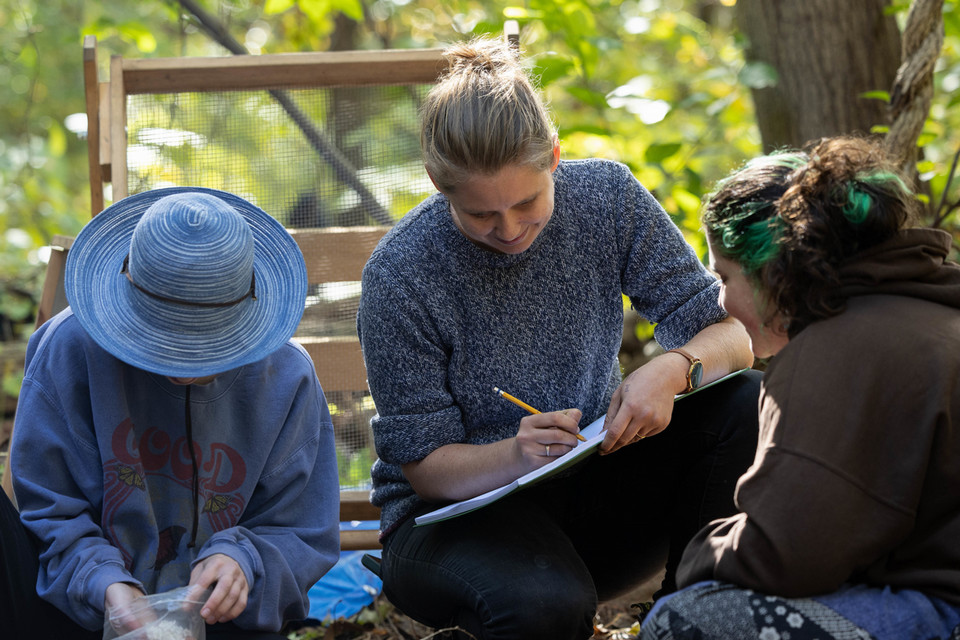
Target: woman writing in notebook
[[512, 276]]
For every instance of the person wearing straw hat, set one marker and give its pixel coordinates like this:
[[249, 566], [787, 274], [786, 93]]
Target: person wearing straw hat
[[168, 431]]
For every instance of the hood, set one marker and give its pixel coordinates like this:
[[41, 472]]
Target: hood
[[913, 263]]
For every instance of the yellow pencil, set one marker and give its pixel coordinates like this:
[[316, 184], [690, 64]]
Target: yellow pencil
[[520, 403]]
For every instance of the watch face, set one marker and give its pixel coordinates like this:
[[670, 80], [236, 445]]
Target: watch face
[[696, 375]]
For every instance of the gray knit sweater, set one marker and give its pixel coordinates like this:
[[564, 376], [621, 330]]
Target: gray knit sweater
[[442, 321]]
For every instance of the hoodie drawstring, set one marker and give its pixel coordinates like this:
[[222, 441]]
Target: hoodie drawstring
[[196, 474]]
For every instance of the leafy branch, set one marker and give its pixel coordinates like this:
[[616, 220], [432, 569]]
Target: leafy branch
[[945, 208]]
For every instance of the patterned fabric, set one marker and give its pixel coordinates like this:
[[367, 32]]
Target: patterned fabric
[[712, 610]]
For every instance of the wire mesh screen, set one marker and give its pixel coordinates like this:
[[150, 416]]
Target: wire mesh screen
[[311, 158]]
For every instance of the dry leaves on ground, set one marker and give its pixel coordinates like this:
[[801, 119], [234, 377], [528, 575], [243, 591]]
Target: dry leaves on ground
[[382, 621]]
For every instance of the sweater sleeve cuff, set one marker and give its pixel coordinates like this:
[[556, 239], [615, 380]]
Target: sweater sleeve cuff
[[235, 549], [102, 578]]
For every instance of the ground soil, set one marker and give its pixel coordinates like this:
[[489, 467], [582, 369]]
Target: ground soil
[[616, 620]]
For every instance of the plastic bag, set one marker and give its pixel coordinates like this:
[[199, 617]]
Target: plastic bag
[[173, 615]]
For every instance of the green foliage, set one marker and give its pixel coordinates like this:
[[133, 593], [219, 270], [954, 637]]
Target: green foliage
[[41, 182], [647, 82], [940, 141], [12, 379], [354, 467]]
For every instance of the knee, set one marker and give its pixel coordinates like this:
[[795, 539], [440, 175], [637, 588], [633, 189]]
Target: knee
[[661, 624], [703, 611], [725, 409], [563, 615], [571, 620], [745, 394], [737, 409]]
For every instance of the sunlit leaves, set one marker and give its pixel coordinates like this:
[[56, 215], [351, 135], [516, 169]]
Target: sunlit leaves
[[42, 167], [319, 10], [140, 34], [758, 75], [552, 67], [876, 95], [56, 140], [273, 7], [658, 152], [675, 109], [645, 82]]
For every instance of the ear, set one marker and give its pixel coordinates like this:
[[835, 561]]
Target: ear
[[556, 153]]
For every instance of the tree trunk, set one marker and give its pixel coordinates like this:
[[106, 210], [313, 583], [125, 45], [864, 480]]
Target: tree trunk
[[826, 53]]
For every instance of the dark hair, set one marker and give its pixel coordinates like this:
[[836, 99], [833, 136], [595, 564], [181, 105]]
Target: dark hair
[[483, 115], [791, 218]]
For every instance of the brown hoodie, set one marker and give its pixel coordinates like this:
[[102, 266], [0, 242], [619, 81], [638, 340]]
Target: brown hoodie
[[857, 472]]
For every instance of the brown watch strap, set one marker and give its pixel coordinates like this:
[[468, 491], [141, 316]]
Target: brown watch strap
[[693, 361], [684, 354]]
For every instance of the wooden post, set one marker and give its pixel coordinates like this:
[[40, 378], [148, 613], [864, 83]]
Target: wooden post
[[91, 90], [118, 129]]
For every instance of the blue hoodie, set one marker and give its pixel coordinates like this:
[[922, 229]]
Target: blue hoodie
[[103, 476]]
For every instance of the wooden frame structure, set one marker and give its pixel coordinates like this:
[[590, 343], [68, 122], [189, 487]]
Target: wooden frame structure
[[107, 100], [337, 253]]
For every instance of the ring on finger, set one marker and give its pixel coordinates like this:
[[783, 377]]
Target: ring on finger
[[548, 450]]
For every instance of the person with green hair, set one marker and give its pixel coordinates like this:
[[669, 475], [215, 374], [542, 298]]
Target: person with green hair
[[848, 518]]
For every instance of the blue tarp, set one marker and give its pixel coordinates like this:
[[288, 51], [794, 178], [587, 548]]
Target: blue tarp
[[349, 586]]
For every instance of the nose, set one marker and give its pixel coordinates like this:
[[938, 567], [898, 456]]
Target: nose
[[509, 226]]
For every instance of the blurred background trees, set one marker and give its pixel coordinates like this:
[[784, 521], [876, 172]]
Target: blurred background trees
[[680, 90]]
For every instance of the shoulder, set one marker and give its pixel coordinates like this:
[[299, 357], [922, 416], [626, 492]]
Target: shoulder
[[863, 391], [888, 347], [424, 241], [290, 360], [61, 340], [605, 185], [64, 326], [413, 230], [900, 325], [593, 173]]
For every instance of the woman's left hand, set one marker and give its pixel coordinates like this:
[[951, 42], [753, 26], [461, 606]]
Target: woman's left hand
[[643, 403], [230, 589]]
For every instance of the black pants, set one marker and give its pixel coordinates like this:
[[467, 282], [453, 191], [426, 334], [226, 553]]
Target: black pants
[[26, 616], [535, 564]]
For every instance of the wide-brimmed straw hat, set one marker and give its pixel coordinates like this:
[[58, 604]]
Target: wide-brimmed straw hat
[[186, 281]]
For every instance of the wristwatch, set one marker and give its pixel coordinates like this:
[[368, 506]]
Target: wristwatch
[[694, 373]]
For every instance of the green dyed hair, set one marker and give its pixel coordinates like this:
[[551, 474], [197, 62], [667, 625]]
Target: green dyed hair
[[860, 200], [741, 215], [791, 219]]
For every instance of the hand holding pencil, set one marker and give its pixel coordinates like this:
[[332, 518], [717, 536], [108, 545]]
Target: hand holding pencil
[[531, 410]]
